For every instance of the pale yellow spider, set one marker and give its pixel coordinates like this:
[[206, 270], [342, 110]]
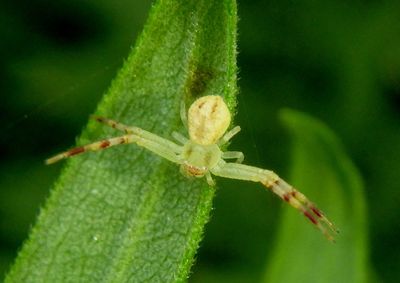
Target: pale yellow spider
[[207, 121]]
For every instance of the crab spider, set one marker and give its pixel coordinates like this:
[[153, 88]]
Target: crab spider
[[207, 121]]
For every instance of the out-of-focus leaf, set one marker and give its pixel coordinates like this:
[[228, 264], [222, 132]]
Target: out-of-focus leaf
[[322, 170], [124, 214]]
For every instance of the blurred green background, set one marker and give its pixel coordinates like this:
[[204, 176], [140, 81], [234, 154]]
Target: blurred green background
[[336, 60]]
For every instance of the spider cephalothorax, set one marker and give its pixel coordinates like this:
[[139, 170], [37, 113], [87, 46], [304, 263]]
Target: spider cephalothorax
[[207, 121]]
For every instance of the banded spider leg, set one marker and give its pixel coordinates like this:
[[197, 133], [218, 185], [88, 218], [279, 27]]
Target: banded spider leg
[[163, 147], [278, 186]]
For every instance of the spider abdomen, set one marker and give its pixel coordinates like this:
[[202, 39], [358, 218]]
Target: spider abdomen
[[208, 119]]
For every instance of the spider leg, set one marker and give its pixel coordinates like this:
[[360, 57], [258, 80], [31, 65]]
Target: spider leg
[[183, 113], [238, 155], [114, 124], [280, 188], [89, 147], [210, 180], [292, 192], [160, 146], [229, 135], [179, 137], [139, 132]]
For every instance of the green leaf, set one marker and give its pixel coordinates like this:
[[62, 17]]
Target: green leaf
[[321, 170], [125, 214]]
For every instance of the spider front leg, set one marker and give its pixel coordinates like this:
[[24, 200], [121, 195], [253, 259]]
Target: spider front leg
[[280, 188], [90, 147], [158, 145], [114, 124], [137, 131]]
